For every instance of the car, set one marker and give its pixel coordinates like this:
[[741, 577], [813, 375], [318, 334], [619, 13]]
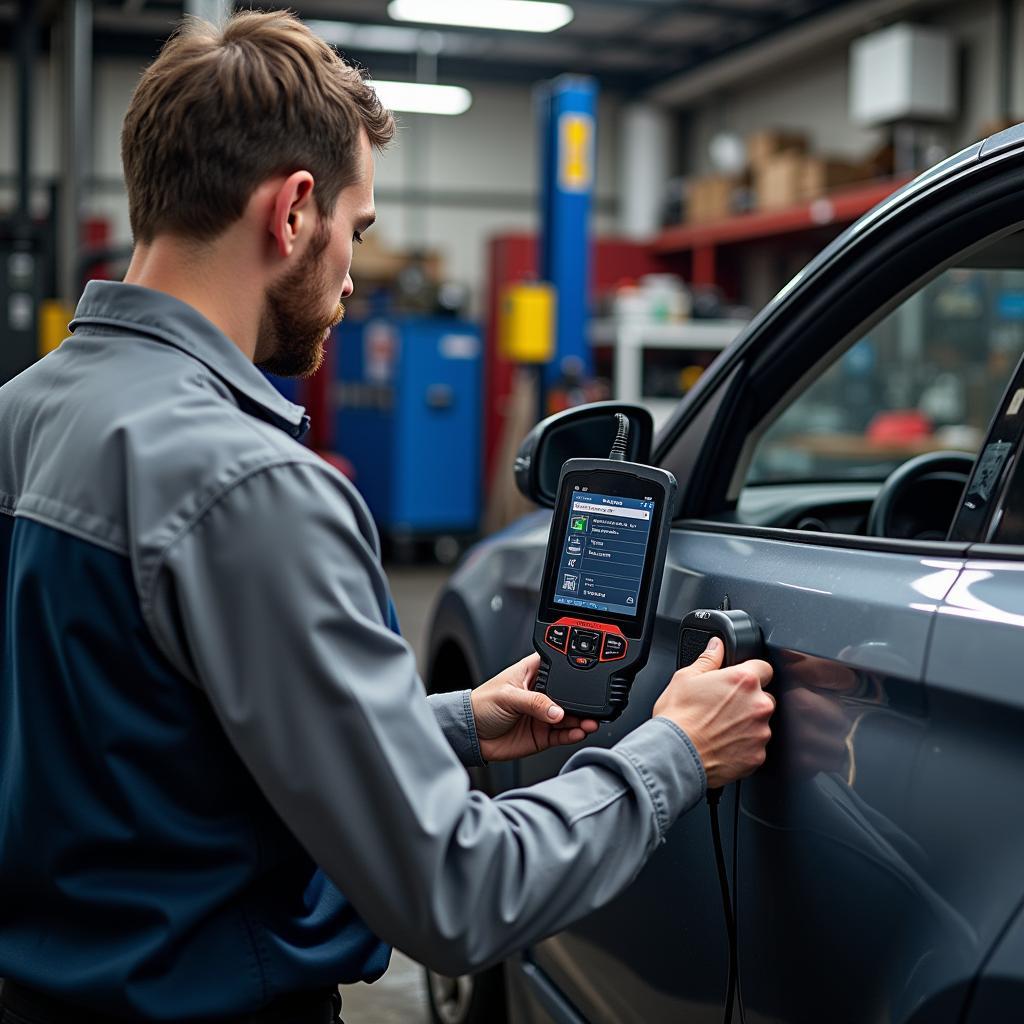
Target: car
[[851, 475]]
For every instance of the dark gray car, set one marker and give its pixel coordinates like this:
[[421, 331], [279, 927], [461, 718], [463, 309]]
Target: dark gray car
[[850, 474]]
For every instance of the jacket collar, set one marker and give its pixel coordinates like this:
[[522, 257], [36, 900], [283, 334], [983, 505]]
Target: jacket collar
[[161, 316]]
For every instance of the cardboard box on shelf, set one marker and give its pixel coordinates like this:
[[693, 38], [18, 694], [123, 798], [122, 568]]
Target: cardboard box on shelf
[[763, 145], [819, 175], [710, 198], [777, 182]]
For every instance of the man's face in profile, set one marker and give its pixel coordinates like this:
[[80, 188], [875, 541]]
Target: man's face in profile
[[295, 325], [304, 303]]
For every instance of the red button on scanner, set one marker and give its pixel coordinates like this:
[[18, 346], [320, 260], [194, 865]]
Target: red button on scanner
[[614, 648], [557, 636]]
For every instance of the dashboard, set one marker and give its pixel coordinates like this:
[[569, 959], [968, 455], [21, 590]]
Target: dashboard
[[923, 512]]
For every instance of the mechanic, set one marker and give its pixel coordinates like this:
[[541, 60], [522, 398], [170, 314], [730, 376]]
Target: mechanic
[[223, 792]]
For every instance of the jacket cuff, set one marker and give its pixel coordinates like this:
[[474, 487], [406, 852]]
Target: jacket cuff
[[669, 765], [454, 713]]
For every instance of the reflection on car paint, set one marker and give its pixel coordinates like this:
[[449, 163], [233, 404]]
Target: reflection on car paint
[[936, 585], [963, 602], [835, 794]]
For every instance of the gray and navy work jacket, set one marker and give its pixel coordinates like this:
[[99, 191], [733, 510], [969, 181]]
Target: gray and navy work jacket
[[220, 780]]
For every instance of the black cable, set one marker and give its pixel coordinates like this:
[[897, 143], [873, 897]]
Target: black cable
[[734, 988], [736, 901], [618, 452], [714, 796]]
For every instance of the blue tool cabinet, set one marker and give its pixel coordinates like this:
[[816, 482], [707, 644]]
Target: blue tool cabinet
[[406, 401]]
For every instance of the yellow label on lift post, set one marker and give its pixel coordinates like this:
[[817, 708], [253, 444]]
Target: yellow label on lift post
[[575, 152], [527, 327]]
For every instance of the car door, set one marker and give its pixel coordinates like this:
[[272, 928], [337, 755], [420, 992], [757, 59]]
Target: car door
[[879, 351], [972, 760]]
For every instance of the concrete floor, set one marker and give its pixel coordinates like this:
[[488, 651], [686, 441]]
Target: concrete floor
[[400, 997]]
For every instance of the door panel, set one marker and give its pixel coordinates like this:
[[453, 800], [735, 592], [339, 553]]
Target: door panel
[[830, 867], [829, 864], [972, 765]]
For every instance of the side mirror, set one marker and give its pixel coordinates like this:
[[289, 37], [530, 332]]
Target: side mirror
[[584, 432]]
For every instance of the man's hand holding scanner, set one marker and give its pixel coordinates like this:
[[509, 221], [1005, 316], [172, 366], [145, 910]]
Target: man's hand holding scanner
[[513, 721], [724, 711]]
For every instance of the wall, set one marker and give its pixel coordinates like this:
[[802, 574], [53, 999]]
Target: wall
[[478, 174]]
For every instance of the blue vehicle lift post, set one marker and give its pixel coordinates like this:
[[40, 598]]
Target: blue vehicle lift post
[[567, 109]]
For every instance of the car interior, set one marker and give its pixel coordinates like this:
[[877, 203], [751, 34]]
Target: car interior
[[880, 437]]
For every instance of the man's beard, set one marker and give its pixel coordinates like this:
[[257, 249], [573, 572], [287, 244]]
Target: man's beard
[[290, 331]]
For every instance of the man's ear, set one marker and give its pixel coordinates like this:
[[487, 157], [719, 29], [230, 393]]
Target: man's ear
[[293, 211]]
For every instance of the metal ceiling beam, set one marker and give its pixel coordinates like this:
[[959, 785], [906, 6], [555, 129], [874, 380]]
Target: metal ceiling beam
[[654, 17], [481, 69], [653, 8], [830, 22]]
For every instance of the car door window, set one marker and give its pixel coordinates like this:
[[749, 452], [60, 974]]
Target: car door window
[[927, 377]]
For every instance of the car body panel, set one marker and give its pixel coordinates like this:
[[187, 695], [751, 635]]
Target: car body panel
[[972, 762], [858, 659], [999, 994], [493, 588]]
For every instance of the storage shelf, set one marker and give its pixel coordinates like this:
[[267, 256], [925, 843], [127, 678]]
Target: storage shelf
[[843, 206], [630, 337]]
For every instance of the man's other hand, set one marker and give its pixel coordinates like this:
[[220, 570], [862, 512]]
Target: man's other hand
[[724, 711], [512, 721]]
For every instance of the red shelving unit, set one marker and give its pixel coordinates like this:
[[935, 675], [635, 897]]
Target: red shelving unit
[[701, 241]]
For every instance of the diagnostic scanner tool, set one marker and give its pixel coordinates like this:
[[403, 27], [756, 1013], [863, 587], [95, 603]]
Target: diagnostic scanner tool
[[602, 576]]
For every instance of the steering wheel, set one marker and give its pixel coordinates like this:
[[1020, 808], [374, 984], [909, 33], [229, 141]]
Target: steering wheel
[[951, 467]]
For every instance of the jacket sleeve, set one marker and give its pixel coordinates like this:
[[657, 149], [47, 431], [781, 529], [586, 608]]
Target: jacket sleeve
[[454, 714], [276, 601]]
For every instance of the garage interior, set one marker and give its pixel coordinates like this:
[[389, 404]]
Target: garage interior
[[516, 268]]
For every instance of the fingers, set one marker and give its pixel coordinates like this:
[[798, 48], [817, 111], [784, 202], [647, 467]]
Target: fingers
[[563, 737], [533, 705], [761, 669], [573, 722], [526, 670], [709, 660]]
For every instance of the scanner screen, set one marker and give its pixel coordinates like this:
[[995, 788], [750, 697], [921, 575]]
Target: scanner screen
[[603, 552]]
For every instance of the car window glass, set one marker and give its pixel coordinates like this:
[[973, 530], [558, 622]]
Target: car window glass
[[927, 377]]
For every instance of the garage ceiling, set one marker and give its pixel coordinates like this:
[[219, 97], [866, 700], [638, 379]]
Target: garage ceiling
[[630, 45]]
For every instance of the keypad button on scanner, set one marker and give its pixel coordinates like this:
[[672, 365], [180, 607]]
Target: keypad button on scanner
[[584, 641], [556, 637], [614, 647]]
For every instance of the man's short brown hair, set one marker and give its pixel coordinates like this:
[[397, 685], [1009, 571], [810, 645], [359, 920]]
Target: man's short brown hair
[[222, 110]]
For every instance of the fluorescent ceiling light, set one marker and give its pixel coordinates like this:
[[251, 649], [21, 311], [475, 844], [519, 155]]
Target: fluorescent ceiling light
[[517, 15], [388, 38], [420, 98]]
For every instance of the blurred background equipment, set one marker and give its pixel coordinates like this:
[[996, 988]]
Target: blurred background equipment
[[406, 402], [904, 76], [647, 175]]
